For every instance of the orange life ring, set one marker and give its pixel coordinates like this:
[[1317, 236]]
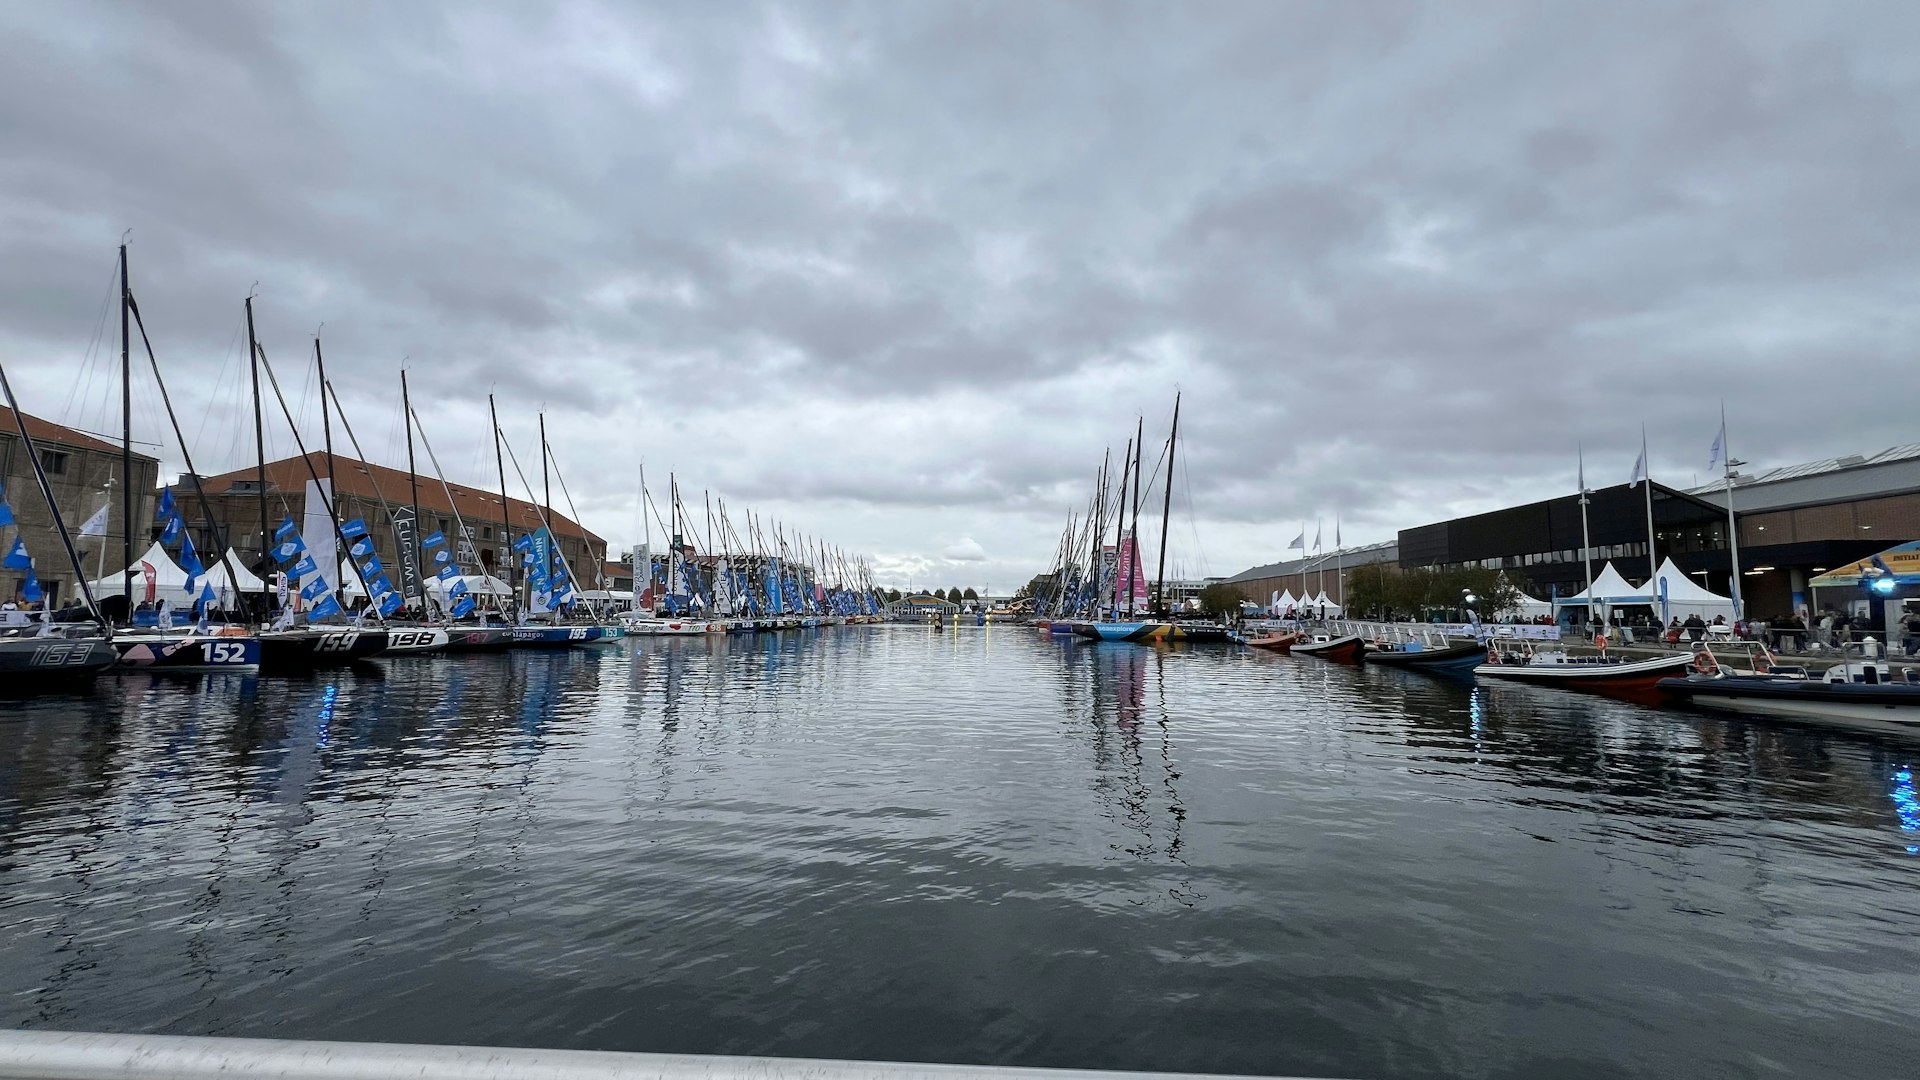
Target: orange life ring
[[1703, 663]]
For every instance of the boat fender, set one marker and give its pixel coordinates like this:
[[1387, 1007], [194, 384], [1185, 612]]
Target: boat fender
[[1601, 641]]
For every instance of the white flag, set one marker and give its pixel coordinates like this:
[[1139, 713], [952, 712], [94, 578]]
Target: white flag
[[97, 524], [1299, 541], [1316, 535], [1583, 468], [1719, 448], [1639, 470]]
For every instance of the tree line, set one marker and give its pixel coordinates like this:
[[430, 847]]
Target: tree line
[[1384, 591]]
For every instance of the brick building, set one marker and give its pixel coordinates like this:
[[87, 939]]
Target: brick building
[[360, 487], [85, 473]]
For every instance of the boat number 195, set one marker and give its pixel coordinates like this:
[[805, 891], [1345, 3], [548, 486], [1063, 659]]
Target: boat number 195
[[578, 633], [226, 652]]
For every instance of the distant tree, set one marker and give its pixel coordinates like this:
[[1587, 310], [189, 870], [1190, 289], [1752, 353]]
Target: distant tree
[[893, 596], [953, 595], [970, 594], [1220, 599]]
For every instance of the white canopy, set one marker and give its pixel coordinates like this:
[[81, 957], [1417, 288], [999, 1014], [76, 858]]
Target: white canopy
[[1287, 600], [1527, 606], [249, 582], [1685, 596], [1608, 588], [1322, 601], [169, 581], [477, 584]]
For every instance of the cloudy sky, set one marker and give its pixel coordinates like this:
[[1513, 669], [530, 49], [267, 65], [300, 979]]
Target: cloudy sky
[[897, 273]]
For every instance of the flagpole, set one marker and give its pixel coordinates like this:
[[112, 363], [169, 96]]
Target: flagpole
[[1586, 544], [1339, 566], [1646, 479], [1733, 528]]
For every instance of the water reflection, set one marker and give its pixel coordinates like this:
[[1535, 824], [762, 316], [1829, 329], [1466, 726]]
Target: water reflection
[[982, 845]]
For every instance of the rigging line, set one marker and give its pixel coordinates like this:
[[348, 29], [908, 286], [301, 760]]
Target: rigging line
[[441, 475], [94, 341], [1192, 522], [544, 520], [599, 571]]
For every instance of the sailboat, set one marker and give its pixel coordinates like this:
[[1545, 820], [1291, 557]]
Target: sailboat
[[287, 647], [1126, 555], [164, 648], [57, 653]]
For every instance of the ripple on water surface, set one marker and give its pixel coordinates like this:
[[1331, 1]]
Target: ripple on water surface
[[978, 846]]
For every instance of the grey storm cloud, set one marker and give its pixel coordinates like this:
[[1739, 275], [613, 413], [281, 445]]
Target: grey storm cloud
[[897, 273]]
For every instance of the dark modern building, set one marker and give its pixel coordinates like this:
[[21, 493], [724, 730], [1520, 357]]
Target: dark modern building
[[1795, 522]]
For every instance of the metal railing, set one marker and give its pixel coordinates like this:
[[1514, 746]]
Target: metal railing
[[72, 1055]]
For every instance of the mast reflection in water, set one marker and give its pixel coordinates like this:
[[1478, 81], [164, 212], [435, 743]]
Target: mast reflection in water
[[979, 845]]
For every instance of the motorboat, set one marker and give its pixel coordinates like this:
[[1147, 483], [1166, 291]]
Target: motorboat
[[1597, 672], [1340, 648], [1862, 689], [1279, 641], [1430, 652]]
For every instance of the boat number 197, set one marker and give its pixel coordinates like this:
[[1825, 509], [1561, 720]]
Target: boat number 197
[[226, 652]]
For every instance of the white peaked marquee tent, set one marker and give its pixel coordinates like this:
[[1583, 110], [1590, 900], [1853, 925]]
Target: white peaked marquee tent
[[169, 581], [1323, 601], [1608, 588], [1685, 596]]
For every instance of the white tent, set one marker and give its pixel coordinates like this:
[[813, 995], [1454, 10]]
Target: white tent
[[1527, 607], [1322, 603], [1608, 588], [1685, 596], [169, 581], [249, 581], [1287, 601]]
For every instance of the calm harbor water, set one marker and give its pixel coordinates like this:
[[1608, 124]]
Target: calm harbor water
[[977, 846]]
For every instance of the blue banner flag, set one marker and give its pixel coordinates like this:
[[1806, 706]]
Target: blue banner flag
[[381, 584], [288, 549], [286, 529], [324, 608], [175, 528], [462, 607], [356, 527], [17, 557], [433, 539], [165, 509], [31, 588], [6, 513], [448, 573], [189, 558], [304, 567], [442, 557], [371, 566], [206, 594], [314, 589], [524, 543], [457, 589], [389, 604], [362, 547]]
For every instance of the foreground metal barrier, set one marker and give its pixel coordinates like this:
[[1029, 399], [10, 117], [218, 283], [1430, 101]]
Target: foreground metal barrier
[[72, 1055]]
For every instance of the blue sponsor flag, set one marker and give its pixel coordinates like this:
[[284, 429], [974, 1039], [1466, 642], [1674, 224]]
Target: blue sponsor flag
[[314, 589], [165, 509], [457, 589], [304, 567], [442, 557], [389, 604], [6, 513], [324, 608], [433, 539], [206, 593], [362, 547], [381, 584], [524, 543], [17, 557], [447, 573], [286, 529], [174, 530], [289, 549], [371, 566], [462, 607], [31, 589], [356, 527], [561, 592], [190, 559]]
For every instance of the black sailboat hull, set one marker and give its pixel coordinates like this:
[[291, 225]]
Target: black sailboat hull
[[305, 650], [479, 638], [39, 662]]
